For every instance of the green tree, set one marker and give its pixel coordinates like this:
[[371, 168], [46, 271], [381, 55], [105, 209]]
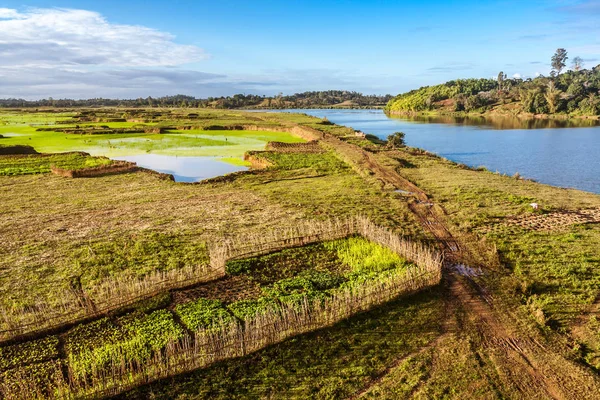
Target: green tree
[[501, 79], [396, 140], [559, 60], [552, 96]]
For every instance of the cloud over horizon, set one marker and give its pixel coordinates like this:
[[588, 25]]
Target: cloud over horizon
[[78, 53]]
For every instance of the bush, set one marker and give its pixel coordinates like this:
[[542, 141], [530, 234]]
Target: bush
[[396, 140], [245, 309], [202, 313]]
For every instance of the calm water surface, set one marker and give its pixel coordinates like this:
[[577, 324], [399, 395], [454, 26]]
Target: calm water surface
[[184, 169], [557, 153]]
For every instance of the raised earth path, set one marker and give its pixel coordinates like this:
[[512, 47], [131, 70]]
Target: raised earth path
[[522, 362]]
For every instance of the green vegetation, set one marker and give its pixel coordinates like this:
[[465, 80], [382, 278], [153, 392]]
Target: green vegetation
[[62, 236], [141, 254], [318, 163], [574, 93], [134, 338], [93, 350], [396, 140], [556, 271], [321, 99], [330, 363], [33, 352], [39, 164], [43, 374], [202, 313], [551, 273], [210, 143], [365, 257], [426, 98]]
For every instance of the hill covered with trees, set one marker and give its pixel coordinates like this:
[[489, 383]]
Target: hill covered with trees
[[321, 99], [575, 92]]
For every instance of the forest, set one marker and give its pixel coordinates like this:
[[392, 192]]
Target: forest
[[575, 92], [314, 99]]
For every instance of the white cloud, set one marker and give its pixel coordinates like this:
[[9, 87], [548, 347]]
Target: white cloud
[[62, 37], [537, 74], [517, 75], [66, 53], [78, 53], [8, 13]]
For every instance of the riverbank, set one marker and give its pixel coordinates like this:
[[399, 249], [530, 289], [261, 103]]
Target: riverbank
[[492, 114]]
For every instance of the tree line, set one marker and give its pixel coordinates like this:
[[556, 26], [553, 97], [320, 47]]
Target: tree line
[[575, 91], [314, 99]]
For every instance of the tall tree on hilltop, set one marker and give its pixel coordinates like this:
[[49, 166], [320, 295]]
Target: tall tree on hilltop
[[559, 60], [577, 63], [501, 78]]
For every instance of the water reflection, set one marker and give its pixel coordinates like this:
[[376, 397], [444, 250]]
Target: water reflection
[[501, 122], [184, 169], [565, 153]]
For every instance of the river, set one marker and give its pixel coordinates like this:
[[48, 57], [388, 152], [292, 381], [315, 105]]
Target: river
[[558, 153]]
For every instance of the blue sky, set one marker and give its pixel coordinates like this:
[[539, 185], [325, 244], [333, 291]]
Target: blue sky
[[151, 48]]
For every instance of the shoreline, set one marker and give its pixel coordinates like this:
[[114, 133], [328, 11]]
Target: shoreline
[[462, 114]]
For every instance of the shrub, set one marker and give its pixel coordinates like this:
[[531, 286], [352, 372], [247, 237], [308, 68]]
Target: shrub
[[202, 313], [396, 140], [244, 309]]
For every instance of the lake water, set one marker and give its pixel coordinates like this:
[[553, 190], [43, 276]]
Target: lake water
[[552, 152], [184, 169]]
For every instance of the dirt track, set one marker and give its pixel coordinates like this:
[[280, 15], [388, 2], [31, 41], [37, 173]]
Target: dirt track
[[522, 363]]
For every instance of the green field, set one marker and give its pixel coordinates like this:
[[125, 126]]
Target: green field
[[36, 164], [199, 143], [230, 145]]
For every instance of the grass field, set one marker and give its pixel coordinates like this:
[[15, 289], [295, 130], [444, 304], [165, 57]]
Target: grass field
[[69, 234], [213, 143], [37, 164]]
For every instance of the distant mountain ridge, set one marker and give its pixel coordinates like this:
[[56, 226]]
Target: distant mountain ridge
[[314, 99]]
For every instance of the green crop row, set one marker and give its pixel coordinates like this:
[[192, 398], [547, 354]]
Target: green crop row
[[43, 376], [202, 313], [132, 338], [28, 353], [364, 256], [294, 275]]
